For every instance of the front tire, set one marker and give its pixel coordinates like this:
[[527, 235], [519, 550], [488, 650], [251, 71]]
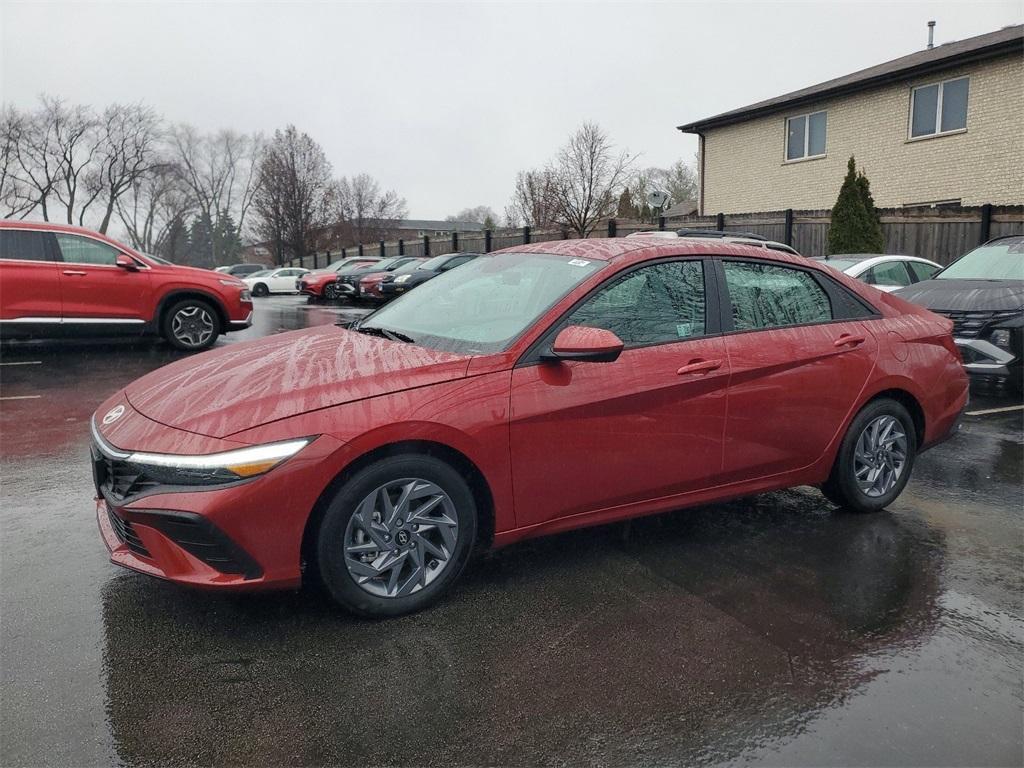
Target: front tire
[[261, 290], [191, 325], [875, 459], [331, 292], [396, 536]]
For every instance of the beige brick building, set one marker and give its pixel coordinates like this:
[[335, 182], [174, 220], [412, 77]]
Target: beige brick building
[[943, 125]]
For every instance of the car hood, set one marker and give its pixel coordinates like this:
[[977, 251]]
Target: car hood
[[966, 295], [245, 385], [196, 273]]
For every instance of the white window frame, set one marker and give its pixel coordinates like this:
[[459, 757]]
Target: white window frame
[[938, 109], [806, 117]]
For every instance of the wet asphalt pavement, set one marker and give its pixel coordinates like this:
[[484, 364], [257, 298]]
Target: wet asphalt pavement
[[774, 630]]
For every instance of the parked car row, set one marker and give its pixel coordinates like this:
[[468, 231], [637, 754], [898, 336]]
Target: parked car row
[[62, 280]]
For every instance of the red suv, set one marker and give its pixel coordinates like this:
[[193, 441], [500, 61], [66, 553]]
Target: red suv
[[530, 391], [59, 280]]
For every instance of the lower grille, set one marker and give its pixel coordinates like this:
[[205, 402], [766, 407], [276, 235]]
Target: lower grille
[[974, 325], [126, 533], [201, 539], [120, 479]]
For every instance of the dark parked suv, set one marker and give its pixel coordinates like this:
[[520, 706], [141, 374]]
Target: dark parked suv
[[982, 292]]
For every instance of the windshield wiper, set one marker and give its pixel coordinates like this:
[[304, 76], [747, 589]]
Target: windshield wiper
[[387, 333]]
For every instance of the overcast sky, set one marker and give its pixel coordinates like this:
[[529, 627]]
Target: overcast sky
[[445, 102]]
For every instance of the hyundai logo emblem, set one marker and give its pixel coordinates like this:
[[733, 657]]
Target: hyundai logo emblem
[[114, 414]]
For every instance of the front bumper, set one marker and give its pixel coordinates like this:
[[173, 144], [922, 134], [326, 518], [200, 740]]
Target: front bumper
[[982, 358], [242, 535], [240, 325]]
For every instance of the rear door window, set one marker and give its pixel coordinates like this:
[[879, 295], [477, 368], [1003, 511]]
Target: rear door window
[[890, 273], [85, 250], [23, 245], [765, 296], [922, 271]]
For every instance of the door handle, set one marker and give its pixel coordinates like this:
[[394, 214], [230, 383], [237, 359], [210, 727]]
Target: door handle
[[848, 340], [700, 366], [74, 273]]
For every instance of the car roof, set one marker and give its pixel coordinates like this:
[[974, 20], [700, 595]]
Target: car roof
[[627, 248], [49, 226]]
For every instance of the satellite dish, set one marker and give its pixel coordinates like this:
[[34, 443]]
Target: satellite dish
[[657, 199]]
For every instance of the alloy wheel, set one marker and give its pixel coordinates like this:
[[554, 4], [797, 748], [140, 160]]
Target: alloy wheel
[[192, 325], [880, 456], [401, 537]]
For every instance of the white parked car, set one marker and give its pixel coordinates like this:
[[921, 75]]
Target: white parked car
[[270, 281], [885, 272]]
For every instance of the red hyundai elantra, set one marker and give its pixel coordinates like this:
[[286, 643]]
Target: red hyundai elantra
[[547, 387]]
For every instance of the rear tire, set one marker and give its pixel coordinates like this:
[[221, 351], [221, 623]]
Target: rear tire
[[191, 325], [411, 509], [875, 458]]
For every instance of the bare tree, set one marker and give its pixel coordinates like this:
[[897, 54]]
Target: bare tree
[[221, 170], [292, 193], [533, 200], [589, 174], [480, 214], [15, 197], [154, 208], [366, 212], [128, 136], [679, 181]]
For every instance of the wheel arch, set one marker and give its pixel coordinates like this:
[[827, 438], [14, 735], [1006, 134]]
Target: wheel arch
[[178, 294], [478, 485], [909, 401]]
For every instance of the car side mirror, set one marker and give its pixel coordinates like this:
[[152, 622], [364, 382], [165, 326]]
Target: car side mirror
[[577, 342], [127, 263]]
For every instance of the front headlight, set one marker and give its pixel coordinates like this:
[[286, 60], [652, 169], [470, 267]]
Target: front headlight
[[236, 283], [402, 278], [1000, 337], [209, 468], [245, 295]]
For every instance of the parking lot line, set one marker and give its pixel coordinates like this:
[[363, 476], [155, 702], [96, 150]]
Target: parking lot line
[[987, 411], [24, 362], [21, 397]]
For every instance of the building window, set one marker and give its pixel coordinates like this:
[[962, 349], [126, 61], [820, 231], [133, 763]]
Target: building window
[[938, 108], [805, 136]]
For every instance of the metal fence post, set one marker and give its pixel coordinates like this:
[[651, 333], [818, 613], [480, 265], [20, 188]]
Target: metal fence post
[[986, 223], [661, 223], [455, 242], [526, 235], [401, 247], [612, 228], [426, 245], [788, 239], [382, 249], [565, 233], [720, 222], [343, 253], [360, 249], [487, 241]]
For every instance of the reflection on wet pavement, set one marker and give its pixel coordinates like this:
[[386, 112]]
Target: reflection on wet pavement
[[772, 630]]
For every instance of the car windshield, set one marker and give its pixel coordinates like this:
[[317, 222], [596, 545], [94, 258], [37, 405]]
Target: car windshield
[[484, 305], [435, 262], [409, 266], [158, 260], [841, 264], [1001, 260]]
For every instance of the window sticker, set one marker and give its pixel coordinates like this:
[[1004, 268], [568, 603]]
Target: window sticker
[[579, 262]]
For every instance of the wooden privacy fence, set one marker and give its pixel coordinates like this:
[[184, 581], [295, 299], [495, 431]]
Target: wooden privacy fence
[[940, 234]]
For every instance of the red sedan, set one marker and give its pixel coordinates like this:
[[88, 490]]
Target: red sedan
[[543, 388], [369, 286]]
